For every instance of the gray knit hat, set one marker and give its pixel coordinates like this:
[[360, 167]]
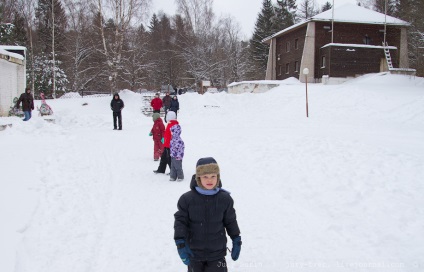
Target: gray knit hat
[[155, 116], [206, 166]]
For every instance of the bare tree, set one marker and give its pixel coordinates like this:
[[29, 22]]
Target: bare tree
[[27, 10], [124, 13]]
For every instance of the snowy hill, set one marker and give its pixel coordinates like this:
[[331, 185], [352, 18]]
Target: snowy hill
[[339, 191]]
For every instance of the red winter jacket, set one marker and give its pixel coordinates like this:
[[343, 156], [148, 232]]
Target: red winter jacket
[[167, 137], [156, 103], [158, 129]]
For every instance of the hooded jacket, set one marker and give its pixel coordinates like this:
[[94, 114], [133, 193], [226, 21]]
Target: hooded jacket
[[170, 116], [27, 101], [177, 144], [116, 105], [175, 105], [158, 129], [203, 221]]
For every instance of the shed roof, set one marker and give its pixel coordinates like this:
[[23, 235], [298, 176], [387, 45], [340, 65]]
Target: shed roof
[[347, 13]]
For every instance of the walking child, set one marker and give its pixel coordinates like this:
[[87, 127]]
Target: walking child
[[165, 159], [177, 154], [157, 132], [205, 215]]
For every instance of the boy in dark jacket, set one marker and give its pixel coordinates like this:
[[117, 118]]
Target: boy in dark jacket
[[27, 103], [116, 105], [157, 132], [205, 215]]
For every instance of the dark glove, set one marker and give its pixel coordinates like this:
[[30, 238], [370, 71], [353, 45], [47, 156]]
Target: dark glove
[[184, 251], [235, 252]]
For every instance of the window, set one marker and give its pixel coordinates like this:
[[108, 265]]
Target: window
[[288, 47], [280, 70], [296, 44], [296, 66], [287, 68], [367, 40], [323, 62]]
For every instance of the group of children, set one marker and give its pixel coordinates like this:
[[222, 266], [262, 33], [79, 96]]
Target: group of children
[[168, 145], [205, 213]]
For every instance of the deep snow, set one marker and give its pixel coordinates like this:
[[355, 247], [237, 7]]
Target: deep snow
[[339, 191]]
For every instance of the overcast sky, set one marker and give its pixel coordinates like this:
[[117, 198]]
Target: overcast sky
[[244, 11]]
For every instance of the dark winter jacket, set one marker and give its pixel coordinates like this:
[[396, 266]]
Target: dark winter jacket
[[27, 101], [203, 221], [166, 101], [116, 105], [175, 105]]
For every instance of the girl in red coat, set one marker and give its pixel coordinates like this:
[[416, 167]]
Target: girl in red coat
[[165, 159], [157, 132]]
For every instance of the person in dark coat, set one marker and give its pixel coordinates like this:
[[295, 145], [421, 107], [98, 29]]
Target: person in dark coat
[[205, 215], [116, 105], [27, 103], [166, 101], [175, 105]]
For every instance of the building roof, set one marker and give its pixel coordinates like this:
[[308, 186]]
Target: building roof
[[347, 13]]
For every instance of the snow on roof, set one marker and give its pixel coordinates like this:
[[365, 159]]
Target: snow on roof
[[360, 45], [350, 13], [4, 51], [14, 55], [347, 13]]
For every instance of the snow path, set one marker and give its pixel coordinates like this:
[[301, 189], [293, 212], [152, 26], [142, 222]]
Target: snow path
[[340, 191]]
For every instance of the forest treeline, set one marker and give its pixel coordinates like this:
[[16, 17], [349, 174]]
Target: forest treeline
[[108, 45]]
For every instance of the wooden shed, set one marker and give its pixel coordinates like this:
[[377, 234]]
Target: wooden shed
[[12, 75], [340, 44]]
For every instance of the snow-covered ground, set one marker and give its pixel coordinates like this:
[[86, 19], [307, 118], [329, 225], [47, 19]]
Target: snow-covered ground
[[339, 191]]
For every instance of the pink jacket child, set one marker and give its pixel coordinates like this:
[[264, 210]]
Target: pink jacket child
[[157, 132]]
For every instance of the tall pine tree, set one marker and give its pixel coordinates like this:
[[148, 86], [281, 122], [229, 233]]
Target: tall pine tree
[[264, 27]]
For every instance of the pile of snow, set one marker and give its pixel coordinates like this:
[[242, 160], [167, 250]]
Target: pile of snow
[[338, 191]]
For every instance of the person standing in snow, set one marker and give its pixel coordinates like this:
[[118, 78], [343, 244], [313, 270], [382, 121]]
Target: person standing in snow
[[27, 103], [205, 214], [177, 153], [166, 103], [156, 103], [175, 105], [116, 105], [157, 132], [165, 159]]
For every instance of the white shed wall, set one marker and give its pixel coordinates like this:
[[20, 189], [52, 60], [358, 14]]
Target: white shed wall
[[12, 80], [250, 88]]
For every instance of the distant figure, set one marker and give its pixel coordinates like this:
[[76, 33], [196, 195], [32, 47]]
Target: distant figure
[[180, 91], [156, 103], [175, 105], [157, 132], [116, 105], [166, 103], [27, 103], [177, 154]]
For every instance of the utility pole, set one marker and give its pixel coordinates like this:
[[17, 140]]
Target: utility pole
[[54, 59]]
